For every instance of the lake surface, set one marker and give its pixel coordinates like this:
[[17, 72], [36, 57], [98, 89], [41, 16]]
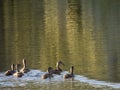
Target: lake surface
[[85, 34]]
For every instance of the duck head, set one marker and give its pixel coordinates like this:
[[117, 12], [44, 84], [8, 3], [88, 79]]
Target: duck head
[[60, 63], [50, 69]]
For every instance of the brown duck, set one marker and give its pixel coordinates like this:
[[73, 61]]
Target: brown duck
[[48, 74], [18, 73], [24, 69], [58, 70], [10, 72], [70, 75]]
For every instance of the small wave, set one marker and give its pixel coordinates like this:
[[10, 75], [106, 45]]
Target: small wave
[[34, 77], [96, 83]]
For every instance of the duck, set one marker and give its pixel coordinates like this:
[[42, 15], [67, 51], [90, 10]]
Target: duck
[[70, 75], [58, 70], [24, 69], [48, 74], [18, 73], [10, 72]]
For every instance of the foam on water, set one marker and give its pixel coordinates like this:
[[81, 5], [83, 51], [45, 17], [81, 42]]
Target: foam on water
[[96, 83], [34, 77]]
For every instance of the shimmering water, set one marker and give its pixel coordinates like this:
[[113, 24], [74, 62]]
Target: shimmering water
[[81, 33]]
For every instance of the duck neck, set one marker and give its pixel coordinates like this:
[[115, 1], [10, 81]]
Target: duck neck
[[12, 67], [24, 64], [17, 68], [71, 70], [50, 70], [58, 66]]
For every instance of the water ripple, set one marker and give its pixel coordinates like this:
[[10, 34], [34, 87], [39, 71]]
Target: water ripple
[[34, 77]]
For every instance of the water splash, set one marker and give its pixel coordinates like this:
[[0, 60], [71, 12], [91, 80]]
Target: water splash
[[34, 76]]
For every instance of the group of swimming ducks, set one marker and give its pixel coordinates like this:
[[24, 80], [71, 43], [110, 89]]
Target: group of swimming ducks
[[17, 72]]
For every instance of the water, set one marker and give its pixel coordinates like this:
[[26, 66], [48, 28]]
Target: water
[[81, 33], [32, 80]]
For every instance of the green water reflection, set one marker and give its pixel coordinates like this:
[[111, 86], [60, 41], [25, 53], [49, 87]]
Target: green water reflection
[[79, 32]]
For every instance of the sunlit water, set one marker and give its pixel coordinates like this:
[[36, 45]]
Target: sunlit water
[[33, 79], [82, 33]]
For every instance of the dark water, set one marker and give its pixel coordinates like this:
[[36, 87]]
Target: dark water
[[81, 33]]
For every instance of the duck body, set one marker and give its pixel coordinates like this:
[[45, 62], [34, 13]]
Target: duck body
[[48, 74], [57, 71], [10, 72], [24, 69], [69, 75], [18, 73]]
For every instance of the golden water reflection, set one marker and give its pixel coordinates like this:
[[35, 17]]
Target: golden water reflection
[[78, 32]]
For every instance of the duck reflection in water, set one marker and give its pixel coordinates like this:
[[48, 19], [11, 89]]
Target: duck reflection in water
[[18, 73], [10, 72], [48, 74], [71, 74]]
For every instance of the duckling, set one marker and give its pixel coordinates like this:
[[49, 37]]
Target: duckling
[[58, 70], [70, 75], [48, 74], [18, 73], [24, 69], [10, 72]]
